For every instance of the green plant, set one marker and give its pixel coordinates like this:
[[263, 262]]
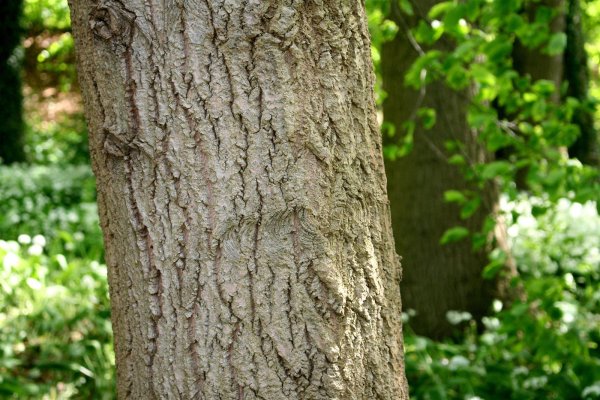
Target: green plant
[[62, 140], [544, 347], [55, 334], [58, 202]]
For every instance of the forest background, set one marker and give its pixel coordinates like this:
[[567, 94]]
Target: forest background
[[537, 339]]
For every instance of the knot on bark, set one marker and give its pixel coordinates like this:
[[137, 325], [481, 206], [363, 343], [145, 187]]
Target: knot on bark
[[110, 21]]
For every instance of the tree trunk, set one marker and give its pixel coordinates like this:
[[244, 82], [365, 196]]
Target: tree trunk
[[11, 99], [242, 198], [577, 75], [534, 62], [436, 278]]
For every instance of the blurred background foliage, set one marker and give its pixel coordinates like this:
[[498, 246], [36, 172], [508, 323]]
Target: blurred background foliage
[[55, 334]]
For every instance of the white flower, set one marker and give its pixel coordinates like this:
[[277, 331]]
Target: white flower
[[458, 362], [24, 239], [497, 305], [61, 260], [35, 250], [456, 317], [39, 240], [11, 260], [593, 390], [34, 284]]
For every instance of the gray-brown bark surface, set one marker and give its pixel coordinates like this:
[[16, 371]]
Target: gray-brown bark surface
[[242, 197], [436, 278]]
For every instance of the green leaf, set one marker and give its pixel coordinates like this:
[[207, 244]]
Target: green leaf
[[454, 196], [390, 152], [457, 159], [440, 8], [472, 8], [543, 87], [454, 235], [469, 208], [426, 34], [407, 141], [544, 14], [492, 269], [498, 50], [506, 7], [406, 7], [489, 224], [498, 260], [495, 169], [514, 23], [457, 77], [498, 140], [388, 129], [556, 44], [479, 240], [423, 69], [427, 116]]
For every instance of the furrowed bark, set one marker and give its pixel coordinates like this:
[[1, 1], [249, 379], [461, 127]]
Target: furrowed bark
[[242, 197]]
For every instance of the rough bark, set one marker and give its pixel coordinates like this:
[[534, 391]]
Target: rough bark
[[242, 198], [577, 75], [436, 278], [11, 98]]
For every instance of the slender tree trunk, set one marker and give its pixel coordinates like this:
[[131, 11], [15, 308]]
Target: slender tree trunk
[[577, 75], [436, 278], [242, 198], [11, 99]]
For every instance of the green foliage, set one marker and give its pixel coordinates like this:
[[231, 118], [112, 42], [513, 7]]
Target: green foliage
[[55, 333], [49, 47], [60, 141], [544, 347], [454, 234], [46, 15], [57, 202], [382, 30], [514, 117], [58, 60], [511, 113]]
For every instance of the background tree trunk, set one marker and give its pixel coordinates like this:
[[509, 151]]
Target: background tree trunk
[[242, 198], [11, 98], [576, 73], [535, 63], [436, 278]]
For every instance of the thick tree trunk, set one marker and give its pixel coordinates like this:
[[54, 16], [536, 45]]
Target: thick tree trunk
[[11, 99], [242, 198], [437, 278]]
